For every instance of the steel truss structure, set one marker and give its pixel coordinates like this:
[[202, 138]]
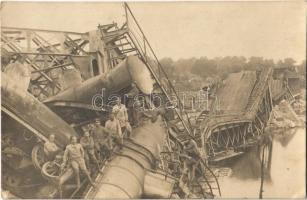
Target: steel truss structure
[[228, 135], [44, 56]]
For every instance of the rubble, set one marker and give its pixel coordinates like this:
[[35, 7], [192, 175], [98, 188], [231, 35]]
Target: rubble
[[283, 116], [299, 107]]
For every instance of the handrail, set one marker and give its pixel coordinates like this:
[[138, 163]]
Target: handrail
[[261, 82], [143, 54]]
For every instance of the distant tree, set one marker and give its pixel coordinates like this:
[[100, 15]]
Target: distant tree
[[168, 65], [231, 64], [254, 63], [204, 67], [269, 63], [186, 72], [289, 61], [286, 63], [185, 65], [302, 68]]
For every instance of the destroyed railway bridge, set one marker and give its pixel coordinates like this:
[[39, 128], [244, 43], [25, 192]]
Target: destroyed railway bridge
[[63, 74]]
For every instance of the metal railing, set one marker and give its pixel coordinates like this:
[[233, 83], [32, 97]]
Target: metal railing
[[258, 90], [150, 59]]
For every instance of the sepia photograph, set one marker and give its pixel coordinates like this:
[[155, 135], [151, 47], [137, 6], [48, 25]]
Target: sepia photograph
[[153, 100]]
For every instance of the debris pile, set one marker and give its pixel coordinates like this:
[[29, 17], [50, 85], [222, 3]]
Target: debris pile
[[299, 107], [283, 116]]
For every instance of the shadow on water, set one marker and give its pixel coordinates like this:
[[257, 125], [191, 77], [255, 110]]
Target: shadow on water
[[284, 138], [284, 175]]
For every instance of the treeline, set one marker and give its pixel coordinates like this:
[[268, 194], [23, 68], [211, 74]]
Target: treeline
[[193, 71]]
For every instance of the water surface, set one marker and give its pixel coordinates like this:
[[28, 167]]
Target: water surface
[[287, 170]]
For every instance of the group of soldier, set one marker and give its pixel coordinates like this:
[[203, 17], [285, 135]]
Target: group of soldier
[[97, 143]]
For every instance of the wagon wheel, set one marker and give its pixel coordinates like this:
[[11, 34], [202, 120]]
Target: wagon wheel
[[38, 156], [51, 171]]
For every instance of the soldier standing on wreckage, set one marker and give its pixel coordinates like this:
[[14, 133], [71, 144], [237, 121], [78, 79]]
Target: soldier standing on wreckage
[[88, 145], [191, 158], [74, 157], [120, 113], [113, 126], [102, 139], [133, 104]]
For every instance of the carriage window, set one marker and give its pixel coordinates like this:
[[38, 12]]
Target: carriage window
[[95, 67]]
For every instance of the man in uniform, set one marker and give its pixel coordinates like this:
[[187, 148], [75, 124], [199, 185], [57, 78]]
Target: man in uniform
[[120, 113], [113, 126], [50, 148], [74, 156], [133, 104], [88, 145], [191, 158], [102, 139]]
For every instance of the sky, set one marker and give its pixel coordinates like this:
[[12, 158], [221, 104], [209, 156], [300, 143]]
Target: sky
[[182, 29]]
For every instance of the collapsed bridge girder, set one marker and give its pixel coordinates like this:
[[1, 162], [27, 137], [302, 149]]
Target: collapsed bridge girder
[[225, 135]]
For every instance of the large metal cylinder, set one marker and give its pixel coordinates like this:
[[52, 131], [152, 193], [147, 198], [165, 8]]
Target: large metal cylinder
[[132, 69], [124, 176], [31, 113]]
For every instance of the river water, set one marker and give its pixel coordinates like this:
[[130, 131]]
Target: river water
[[287, 174]]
